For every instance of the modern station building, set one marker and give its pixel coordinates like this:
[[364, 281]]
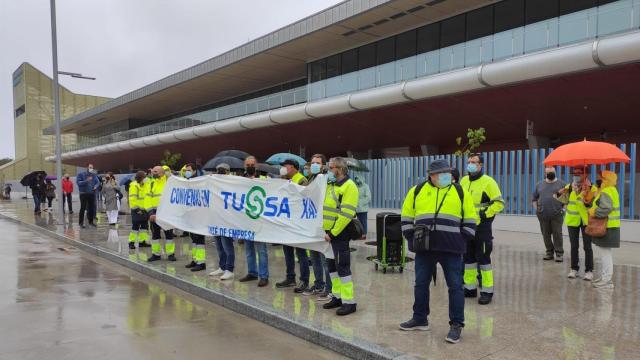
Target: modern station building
[[376, 78]]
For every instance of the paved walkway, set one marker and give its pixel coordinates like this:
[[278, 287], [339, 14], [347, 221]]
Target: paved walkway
[[537, 312]]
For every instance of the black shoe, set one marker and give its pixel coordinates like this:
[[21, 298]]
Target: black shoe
[[199, 267], [485, 298], [301, 288], [70, 212], [153, 258], [548, 257], [172, 257], [248, 277], [285, 283], [413, 325], [144, 244], [83, 226], [455, 331], [334, 303], [263, 282], [346, 309], [191, 264], [132, 246], [92, 224], [470, 293], [559, 258]]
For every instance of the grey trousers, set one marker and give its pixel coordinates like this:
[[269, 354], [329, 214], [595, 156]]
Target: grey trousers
[[552, 234]]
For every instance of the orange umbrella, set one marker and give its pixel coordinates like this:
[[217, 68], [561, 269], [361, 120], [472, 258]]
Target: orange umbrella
[[584, 153]]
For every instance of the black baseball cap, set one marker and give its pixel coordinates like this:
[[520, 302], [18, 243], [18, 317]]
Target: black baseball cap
[[292, 163]]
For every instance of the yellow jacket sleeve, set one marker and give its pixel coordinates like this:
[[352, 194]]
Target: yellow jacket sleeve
[[408, 215], [348, 207], [494, 194], [471, 218]]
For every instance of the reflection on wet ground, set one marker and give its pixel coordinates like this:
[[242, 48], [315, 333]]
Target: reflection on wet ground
[[56, 303], [537, 312]]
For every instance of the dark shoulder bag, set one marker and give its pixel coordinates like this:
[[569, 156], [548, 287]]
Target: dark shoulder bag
[[355, 229], [421, 233]]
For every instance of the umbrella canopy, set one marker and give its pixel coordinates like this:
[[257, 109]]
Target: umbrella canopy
[[51, 177], [238, 154], [584, 153], [277, 159], [28, 179], [125, 179], [233, 163], [269, 169], [356, 164]]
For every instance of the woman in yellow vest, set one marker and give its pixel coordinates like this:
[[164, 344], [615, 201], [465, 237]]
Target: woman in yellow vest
[[607, 205]]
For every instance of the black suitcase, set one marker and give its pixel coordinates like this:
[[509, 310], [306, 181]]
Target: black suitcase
[[389, 240]]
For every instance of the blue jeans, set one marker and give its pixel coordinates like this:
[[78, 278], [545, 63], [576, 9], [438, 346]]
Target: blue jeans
[[226, 253], [261, 271], [362, 216], [453, 267], [321, 271], [36, 202], [290, 263]]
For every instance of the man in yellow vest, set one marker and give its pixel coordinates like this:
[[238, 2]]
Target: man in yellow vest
[[152, 200], [438, 221], [488, 202], [290, 170], [198, 250], [578, 197], [339, 210], [139, 221]]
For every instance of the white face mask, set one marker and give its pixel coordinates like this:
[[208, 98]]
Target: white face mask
[[283, 171]]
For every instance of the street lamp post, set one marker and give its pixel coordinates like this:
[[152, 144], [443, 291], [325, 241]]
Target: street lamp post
[[56, 108]]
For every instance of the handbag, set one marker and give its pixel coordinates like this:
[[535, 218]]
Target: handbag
[[597, 227]]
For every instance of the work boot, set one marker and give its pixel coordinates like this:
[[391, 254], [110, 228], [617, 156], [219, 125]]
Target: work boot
[[199, 267], [248, 277], [334, 303], [263, 282], [154, 257], [286, 283], [346, 309], [470, 293], [191, 264], [485, 298], [132, 246], [172, 257], [144, 244]]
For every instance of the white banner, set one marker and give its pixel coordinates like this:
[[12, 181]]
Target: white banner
[[266, 210]]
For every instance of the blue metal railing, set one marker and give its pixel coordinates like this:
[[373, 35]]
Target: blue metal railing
[[516, 171]]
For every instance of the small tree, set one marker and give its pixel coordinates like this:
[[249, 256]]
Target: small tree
[[170, 159], [5, 161], [475, 138]]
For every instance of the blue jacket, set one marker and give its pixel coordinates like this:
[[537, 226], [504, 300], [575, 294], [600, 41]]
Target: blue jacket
[[85, 186]]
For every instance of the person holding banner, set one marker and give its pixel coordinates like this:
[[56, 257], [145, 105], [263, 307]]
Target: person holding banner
[[290, 171], [224, 244], [198, 251], [259, 271], [152, 200], [139, 220], [340, 203]]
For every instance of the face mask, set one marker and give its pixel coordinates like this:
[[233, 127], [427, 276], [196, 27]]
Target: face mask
[[315, 168], [577, 179], [250, 170], [551, 176], [156, 176], [305, 172], [598, 183], [283, 171], [332, 176], [188, 174], [472, 168], [92, 171], [444, 180]]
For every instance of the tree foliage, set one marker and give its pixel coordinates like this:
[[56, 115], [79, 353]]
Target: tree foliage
[[475, 138], [170, 159], [5, 161]]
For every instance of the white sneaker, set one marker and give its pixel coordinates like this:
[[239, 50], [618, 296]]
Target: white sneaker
[[228, 275], [216, 272], [572, 274], [588, 276]]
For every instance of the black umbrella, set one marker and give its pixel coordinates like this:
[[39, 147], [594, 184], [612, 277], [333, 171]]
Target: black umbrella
[[28, 179], [356, 164], [233, 163], [238, 154], [269, 169]]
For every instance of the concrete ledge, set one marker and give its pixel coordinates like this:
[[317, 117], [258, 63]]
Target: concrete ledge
[[353, 348]]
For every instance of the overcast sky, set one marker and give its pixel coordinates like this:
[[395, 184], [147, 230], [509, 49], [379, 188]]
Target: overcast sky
[[127, 44]]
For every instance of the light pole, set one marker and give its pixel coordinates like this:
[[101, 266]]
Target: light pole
[[56, 108]]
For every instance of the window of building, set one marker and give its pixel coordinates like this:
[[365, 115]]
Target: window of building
[[334, 66], [452, 31], [20, 110], [539, 10], [318, 70], [569, 6], [349, 61], [406, 44], [386, 51], [480, 23], [367, 56], [508, 14], [428, 38]]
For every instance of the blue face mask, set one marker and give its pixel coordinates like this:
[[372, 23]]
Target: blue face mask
[[444, 180], [332, 176], [305, 172], [188, 174], [472, 168], [315, 168]]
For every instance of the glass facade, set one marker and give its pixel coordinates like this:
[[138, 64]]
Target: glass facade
[[500, 31]]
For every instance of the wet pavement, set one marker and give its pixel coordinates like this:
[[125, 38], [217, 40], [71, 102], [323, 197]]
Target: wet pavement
[[537, 312], [57, 302]]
